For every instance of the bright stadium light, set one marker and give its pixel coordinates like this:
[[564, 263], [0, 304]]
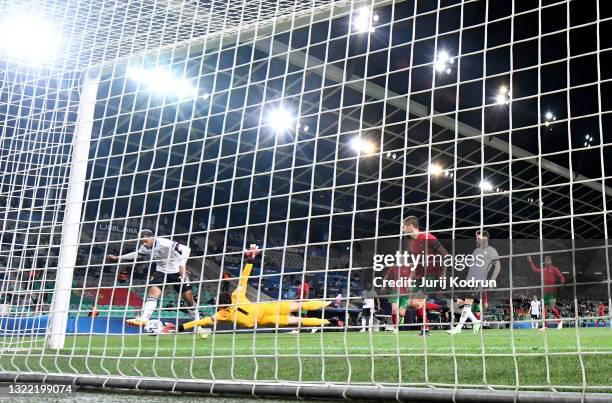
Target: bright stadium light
[[435, 169], [503, 95], [281, 120], [443, 62], [30, 38], [363, 20], [486, 186], [548, 118], [161, 81], [363, 146]]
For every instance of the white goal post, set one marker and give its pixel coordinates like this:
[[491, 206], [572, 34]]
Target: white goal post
[[71, 225]]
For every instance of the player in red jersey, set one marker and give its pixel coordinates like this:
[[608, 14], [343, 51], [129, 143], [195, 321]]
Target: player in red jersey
[[550, 274], [303, 289], [601, 313], [424, 244]]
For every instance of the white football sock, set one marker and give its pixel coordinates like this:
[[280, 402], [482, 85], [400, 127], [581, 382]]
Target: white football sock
[[472, 317], [149, 306], [464, 315]]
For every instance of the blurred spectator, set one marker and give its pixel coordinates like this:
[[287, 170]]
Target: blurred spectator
[[123, 276]]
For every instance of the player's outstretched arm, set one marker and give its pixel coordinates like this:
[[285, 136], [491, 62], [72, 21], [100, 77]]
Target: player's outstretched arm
[[559, 275], [534, 268], [132, 256], [207, 321], [122, 258], [250, 254]]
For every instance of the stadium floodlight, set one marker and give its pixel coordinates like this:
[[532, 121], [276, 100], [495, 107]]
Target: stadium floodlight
[[363, 20], [486, 186], [28, 38], [443, 62], [281, 120], [162, 81], [435, 169], [548, 118], [362, 146], [503, 95]]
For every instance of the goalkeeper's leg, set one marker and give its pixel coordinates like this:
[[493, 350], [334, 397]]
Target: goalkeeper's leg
[[288, 320], [287, 307], [309, 305]]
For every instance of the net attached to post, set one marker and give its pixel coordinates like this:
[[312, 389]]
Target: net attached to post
[[330, 134]]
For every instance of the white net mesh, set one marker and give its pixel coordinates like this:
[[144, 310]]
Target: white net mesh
[[312, 129]]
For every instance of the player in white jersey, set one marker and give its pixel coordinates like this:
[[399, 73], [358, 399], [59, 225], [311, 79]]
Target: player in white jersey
[[479, 271], [535, 311], [171, 269]]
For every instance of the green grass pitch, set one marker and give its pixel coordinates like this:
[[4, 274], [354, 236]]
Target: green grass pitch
[[383, 357]]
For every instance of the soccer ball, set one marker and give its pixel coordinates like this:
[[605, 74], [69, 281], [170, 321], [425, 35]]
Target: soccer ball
[[154, 327], [204, 333]]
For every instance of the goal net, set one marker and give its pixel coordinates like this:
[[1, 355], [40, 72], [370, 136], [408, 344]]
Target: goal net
[[146, 145]]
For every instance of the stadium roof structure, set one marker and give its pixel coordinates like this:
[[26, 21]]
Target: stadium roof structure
[[390, 109], [385, 108]]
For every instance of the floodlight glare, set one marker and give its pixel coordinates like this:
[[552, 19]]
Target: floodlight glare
[[548, 115], [361, 145], [162, 81], [486, 186], [440, 66], [281, 120], [362, 21], [503, 95], [435, 169], [443, 61], [29, 38], [443, 56]]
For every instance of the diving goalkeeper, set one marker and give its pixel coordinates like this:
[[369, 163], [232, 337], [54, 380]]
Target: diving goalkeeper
[[236, 308]]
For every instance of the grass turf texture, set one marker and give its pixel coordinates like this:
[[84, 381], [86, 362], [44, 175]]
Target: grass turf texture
[[341, 357]]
